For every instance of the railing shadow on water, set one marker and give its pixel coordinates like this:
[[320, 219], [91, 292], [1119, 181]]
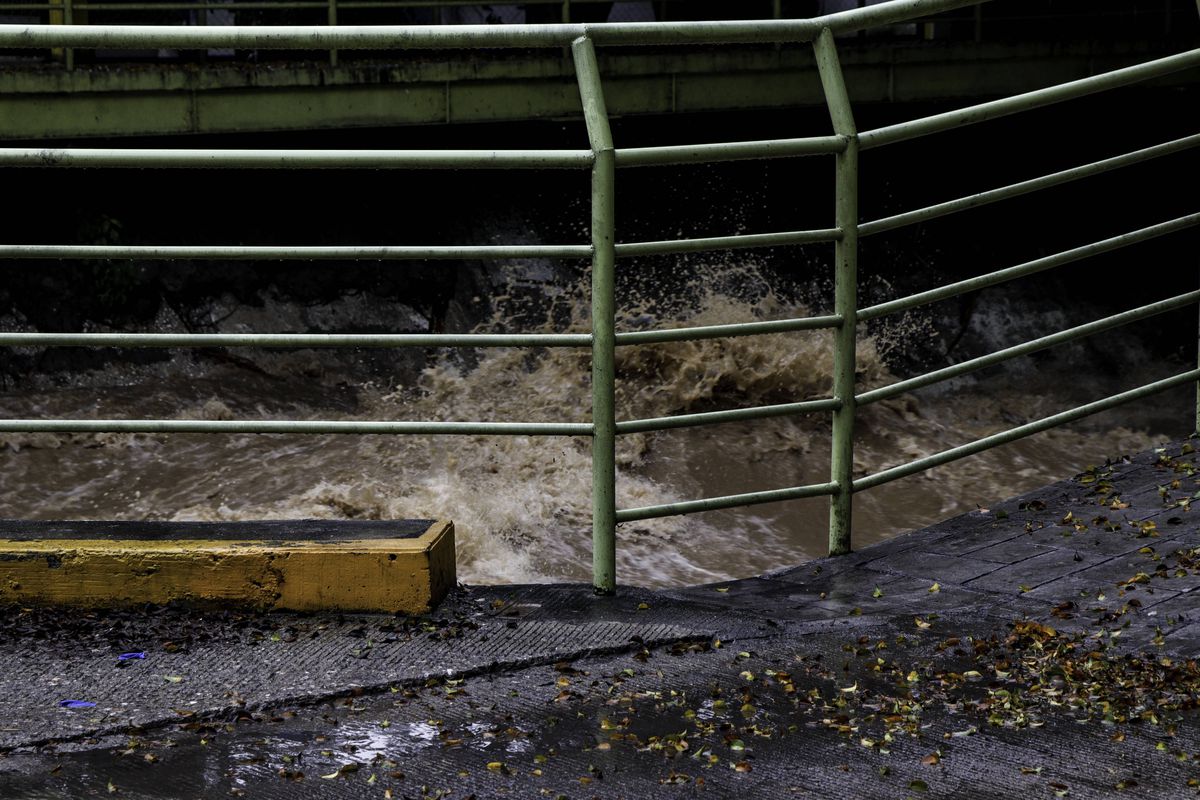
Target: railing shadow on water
[[604, 159]]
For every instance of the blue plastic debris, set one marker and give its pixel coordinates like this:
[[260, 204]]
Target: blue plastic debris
[[75, 704], [130, 656]]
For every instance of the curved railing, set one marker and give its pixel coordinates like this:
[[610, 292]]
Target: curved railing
[[603, 159]]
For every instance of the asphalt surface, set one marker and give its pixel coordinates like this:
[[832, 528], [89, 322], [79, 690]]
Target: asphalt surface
[[1041, 648]]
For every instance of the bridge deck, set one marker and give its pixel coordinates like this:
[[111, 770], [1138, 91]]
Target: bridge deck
[[43, 101], [1038, 647]]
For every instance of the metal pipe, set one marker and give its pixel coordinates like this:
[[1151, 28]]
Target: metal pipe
[[728, 501], [1029, 100], [1000, 356], [440, 4], [733, 415], [284, 5], [1021, 431], [604, 462], [728, 151], [742, 241], [290, 5], [332, 19], [293, 427], [1024, 187], [387, 340], [400, 37], [1028, 268], [732, 329], [845, 303], [68, 19], [290, 253], [143, 158]]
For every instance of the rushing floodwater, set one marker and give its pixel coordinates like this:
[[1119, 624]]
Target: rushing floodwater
[[522, 505]]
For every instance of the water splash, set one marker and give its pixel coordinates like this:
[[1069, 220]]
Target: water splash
[[522, 504]]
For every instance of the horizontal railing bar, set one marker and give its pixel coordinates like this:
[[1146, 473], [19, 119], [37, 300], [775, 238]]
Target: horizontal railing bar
[[158, 158], [1021, 431], [291, 5], [1000, 356], [733, 329], [288, 253], [292, 427], [448, 3], [388, 37], [285, 5], [1029, 100], [729, 501], [728, 151], [732, 415], [1025, 187], [1028, 268], [127, 340], [739, 242]]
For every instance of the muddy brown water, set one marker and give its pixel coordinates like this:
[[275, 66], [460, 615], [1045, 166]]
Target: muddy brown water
[[522, 504]]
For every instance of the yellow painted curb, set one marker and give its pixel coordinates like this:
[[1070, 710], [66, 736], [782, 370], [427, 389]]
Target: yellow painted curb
[[409, 575]]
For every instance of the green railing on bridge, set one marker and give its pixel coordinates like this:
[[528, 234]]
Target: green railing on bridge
[[603, 158], [1153, 17], [70, 12]]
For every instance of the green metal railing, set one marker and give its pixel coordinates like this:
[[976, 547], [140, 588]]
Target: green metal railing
[[603, 158], [71, 12]]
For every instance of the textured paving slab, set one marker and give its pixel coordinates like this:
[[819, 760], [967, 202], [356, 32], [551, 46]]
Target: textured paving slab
[[1042, 648], [216, 668]]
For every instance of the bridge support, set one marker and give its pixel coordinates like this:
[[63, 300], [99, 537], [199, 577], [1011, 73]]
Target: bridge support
[[604, 465], [845, 301]]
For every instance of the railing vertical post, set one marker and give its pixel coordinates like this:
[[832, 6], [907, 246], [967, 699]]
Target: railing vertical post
[[333, 21], [845, 292], [604, 465], [69, 19], [566, 12]]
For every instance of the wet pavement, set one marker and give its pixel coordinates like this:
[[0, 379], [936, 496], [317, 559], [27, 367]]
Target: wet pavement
[[1042, 647]]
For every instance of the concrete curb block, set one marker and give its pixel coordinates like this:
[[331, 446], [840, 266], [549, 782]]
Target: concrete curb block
[[379, 574]]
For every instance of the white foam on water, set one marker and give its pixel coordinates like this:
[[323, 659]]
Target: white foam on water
[[521, 505]]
